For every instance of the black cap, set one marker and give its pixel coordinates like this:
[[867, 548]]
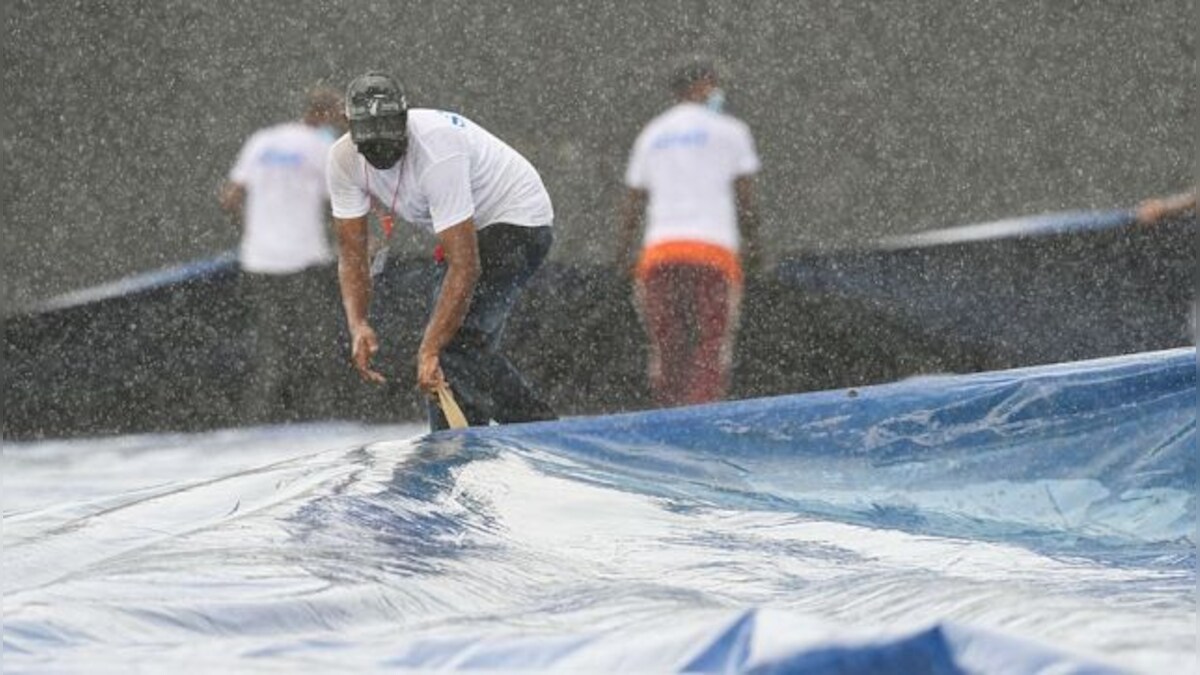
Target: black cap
[[376, 108]]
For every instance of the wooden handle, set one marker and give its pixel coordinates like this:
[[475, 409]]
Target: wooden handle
[[454, 414]]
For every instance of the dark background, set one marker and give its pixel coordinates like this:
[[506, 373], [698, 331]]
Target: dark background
[[173, 352], [872, 118]]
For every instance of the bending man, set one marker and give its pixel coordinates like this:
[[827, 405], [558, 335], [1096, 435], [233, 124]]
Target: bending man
[[491, 215]]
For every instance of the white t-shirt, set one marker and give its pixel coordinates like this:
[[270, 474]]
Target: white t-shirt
[[282, 169], [452, 170], [687, 160]]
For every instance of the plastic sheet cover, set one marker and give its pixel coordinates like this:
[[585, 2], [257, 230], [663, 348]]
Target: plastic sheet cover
[[1037, 520]]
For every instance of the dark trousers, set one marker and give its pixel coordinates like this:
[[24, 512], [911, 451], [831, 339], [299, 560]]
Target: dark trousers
[[486, 384], [292, 343]]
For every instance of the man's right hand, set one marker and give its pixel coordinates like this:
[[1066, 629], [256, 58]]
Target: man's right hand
[[363, 345]]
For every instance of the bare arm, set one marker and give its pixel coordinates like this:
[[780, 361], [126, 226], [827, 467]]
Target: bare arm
[[747, 217], [354, 277], [461, 248], [633, 208], [1153, 210], [232, 198]]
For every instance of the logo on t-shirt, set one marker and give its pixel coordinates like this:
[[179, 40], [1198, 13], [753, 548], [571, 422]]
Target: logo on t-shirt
[[276, 157], [455, 119], [694, 138]]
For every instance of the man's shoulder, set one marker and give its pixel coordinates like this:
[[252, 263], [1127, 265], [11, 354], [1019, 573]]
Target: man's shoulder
[[720, 120], [291, 136], [281, 130], [436, 134], [343, 152], [431, 120], [691, 115], [736, 124], [693, 118], [661, 122], [723, 125], [667, 117], [343, 144]]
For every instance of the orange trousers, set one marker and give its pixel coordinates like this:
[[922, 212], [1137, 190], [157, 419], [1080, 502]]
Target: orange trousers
[[690, 307]]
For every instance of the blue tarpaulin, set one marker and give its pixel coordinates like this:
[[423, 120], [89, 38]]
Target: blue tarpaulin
[[1033, 520]]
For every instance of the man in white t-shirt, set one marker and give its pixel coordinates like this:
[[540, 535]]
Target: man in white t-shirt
[[277, 191], [491, 215], [689, 175]]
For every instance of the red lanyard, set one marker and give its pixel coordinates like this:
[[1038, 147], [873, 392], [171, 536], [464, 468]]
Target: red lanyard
[[385, 219]]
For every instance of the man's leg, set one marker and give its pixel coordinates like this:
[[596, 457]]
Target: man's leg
[[660, 299], [262, 395], [485, 383], [717, 303], [312, 339]]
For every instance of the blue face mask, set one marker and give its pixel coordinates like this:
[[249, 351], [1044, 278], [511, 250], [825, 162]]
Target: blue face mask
[[328, 131], [716, 100]]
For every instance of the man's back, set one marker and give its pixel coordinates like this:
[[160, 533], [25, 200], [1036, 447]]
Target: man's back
[[283, 171], [687, 159]]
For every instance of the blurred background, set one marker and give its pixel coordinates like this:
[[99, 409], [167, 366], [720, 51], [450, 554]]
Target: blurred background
[[871, 118], [874, 121]]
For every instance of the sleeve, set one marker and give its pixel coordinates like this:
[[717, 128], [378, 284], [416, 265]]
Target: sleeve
[[635, 171], [746, 160], [447, 186], [244, 164], [348, 196]]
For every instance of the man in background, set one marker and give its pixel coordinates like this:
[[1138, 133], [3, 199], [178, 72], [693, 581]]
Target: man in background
[[690, 175], [277, 192]]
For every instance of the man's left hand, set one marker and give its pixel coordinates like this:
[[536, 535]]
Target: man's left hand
[[429, 373]]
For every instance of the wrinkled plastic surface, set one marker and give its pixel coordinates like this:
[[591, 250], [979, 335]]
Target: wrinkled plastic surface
[[1023, 521]]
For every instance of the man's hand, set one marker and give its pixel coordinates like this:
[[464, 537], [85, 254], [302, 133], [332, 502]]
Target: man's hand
[[429, 373], [363, 345]]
